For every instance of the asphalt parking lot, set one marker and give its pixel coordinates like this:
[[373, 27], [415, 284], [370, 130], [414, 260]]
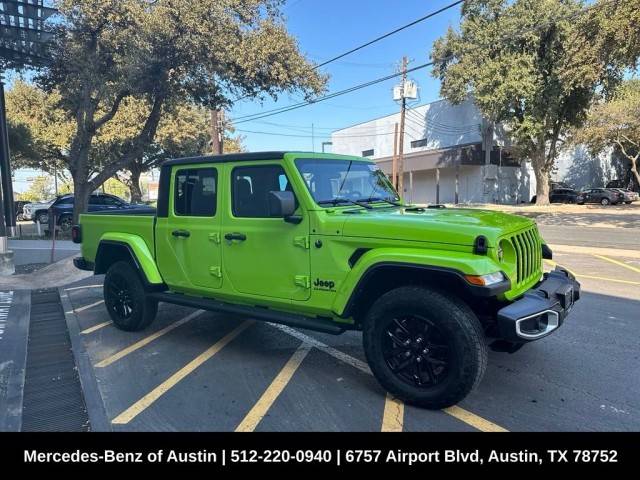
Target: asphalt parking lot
[[194, 370]]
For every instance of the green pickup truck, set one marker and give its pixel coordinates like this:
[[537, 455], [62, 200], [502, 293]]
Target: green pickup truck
[[323, 242]]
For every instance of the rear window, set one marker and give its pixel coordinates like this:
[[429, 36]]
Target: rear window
[[195, 192]]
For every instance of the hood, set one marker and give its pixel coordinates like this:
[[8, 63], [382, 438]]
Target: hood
[[458, 226]]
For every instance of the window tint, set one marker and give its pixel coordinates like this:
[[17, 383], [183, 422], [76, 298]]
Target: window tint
[[65, 201], [111, 201], [195, 192], [251, 186]]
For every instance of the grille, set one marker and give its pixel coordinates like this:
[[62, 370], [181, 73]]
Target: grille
[[528, 255]]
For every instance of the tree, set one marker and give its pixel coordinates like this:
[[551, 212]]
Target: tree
[[615, 123], [536, 66], [164, 52], [40, 189]]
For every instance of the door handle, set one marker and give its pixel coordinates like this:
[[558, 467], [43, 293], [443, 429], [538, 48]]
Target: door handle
[[241, 237], [181, 233]]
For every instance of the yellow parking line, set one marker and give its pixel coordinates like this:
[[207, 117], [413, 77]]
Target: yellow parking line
[[393, 417], [260, 409], [142, 404], [592, 277], [458, 412], [145, 341], [616, 262], [87, 307], [473, 419], [96, 327]]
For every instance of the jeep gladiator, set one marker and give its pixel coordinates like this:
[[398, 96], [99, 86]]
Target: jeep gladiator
[[323, 242]]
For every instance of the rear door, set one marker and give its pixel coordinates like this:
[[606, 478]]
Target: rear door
[[188, 239], [263, 256]]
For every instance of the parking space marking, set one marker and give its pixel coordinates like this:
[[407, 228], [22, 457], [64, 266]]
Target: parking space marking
[[142, 404], [273, 391], [87, 307], [592, 277], [147, 340], [473, 419], [70, 289], [616, 262], [95, 327], [393, 417], [455, 411]]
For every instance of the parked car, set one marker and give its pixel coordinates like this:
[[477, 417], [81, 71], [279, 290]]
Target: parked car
[[628, 196], [269, 236], [603, 196], [563, 195], [62, 208], [38, 211]]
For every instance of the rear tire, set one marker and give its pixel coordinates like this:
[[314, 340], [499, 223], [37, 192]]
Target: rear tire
[[424, 347], [126, 299], [604, 202]]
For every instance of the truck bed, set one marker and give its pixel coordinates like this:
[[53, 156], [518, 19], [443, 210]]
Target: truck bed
[[96, 225]]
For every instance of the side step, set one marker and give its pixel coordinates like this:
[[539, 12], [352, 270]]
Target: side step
[[259, 313]]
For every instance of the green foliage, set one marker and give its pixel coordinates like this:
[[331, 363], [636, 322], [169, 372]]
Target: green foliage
[[40, 189], [615, 123], [536, 66], [164, 53]]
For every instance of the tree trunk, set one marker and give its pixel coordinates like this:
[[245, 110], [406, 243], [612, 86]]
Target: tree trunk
[[634, 169], [81, 191], [134, 186], [542, 182]]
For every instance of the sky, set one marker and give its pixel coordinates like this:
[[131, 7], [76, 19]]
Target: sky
[[326, 28]]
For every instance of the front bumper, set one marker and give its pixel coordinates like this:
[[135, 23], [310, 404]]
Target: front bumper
[[541, 310]]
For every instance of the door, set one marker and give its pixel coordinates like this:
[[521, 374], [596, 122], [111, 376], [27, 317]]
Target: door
[[188, 239], [262, 255]]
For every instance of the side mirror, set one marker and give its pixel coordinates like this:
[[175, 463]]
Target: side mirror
[[281, 204]]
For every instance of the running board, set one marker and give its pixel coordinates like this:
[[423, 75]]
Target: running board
[[259, 313]]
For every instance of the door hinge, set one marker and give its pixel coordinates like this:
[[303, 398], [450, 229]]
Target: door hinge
[[214, 237], [302, 242], [302, 281], [215, 271]]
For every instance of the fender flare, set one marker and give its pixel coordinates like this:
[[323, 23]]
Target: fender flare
[[136, 249]]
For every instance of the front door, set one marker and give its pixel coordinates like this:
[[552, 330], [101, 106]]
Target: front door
[[263, 256], [188, 239]]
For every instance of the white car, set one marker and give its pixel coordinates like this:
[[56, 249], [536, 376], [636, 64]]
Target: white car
[[38, 211]]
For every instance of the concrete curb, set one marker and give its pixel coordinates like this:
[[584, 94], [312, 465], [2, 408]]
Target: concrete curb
[[57, 274], [609, 252], [95, 407], [13, 361]]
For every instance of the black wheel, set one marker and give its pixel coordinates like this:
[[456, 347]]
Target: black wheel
[[424, 347], [43, 218], [628, 203], [126, 299], [604, 202], [66, 223]]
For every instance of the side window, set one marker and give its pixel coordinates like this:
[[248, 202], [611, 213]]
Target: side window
[[95, 200], [110, 201], [250, 187], [195, 192]]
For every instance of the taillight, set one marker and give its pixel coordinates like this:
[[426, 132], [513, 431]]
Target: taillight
[[76, 234]]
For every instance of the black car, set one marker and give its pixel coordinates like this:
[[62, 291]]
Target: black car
[[62, 208], [603, 196], [563, 195]]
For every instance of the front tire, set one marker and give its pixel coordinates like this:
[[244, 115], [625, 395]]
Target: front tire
[[604, 202], [424, 347], [126, 299]]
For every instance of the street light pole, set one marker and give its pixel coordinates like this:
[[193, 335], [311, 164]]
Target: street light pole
[[403, 110]]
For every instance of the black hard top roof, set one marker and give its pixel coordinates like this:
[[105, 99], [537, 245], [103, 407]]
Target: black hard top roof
[[237, 157]]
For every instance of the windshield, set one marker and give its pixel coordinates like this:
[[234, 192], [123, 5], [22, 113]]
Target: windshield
[[334, 181]]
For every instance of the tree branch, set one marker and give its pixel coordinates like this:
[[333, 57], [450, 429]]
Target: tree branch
[[111, 113]]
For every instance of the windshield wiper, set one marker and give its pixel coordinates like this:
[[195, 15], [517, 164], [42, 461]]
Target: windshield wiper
[[336, 201], [378, 199]]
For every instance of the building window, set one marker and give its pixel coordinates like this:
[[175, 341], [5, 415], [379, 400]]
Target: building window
[[367, 153], [419, 143]]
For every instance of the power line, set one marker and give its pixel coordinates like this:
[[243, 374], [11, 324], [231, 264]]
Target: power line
[[278, 134], [393, 32]]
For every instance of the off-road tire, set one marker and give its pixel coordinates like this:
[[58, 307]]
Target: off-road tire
[[459, 326], [123, 277]]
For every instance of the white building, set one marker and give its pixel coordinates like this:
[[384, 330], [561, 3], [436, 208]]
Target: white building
[[444, 156]]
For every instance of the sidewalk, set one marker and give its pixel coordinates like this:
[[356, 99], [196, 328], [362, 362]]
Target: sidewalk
[[39, 251]]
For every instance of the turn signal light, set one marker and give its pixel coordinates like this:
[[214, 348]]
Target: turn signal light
[[485, 280]]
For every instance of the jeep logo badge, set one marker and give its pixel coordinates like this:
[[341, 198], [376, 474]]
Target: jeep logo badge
[[324, 285]]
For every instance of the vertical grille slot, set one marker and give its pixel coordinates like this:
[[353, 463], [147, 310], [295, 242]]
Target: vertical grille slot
[[528, 255]]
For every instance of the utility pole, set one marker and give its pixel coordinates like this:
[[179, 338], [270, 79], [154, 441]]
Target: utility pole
[[403, 110], [217, 132], [394, 158]]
